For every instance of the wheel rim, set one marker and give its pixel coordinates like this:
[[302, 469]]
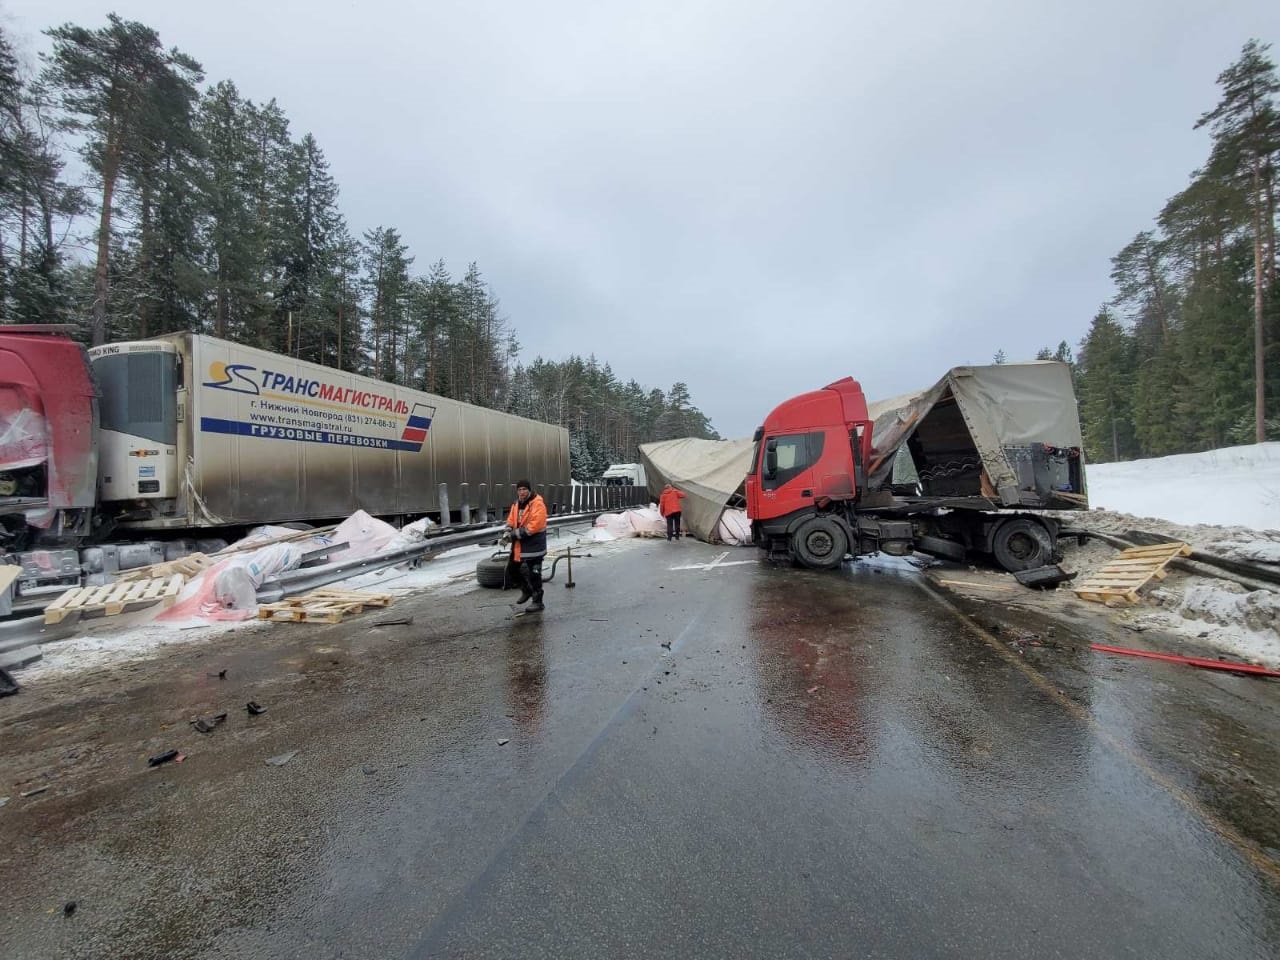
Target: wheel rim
[[1023, 546], [820, 543]]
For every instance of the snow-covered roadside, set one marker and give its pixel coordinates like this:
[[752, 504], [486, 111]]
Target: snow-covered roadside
[[1233, 487], [1201, 610]]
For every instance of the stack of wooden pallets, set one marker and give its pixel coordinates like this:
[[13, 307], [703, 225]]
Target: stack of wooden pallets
[[114, 598], [322, 606], [1133, 569]]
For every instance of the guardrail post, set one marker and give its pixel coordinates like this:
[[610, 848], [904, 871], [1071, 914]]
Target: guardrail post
[[465, 506], [482, 502], [445, 517]]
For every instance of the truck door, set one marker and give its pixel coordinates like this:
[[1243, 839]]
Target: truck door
[[786, 478]]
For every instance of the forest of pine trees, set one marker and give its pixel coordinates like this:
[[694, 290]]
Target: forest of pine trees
[[200, 210], [1184, 357]]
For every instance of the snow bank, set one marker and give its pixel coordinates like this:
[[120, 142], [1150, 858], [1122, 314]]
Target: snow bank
[[1234, 486]]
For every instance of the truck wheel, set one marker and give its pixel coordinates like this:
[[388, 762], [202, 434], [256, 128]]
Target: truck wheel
[[1022, 544], [819, 543], [492, 572]]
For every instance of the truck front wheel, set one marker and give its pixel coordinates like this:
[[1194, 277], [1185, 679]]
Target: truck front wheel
[[1022, 544], [819, 543]]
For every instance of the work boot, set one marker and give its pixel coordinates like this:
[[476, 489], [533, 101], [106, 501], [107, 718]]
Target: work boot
[[524, 596], [536, 606]]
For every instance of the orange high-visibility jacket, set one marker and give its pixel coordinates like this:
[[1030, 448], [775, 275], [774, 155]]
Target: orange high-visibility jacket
[[529, 528], [669, 502]]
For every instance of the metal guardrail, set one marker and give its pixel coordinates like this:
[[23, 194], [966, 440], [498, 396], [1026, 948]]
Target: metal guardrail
[[299, 581]]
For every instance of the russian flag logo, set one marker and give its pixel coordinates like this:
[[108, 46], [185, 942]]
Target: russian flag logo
[[415, 431]]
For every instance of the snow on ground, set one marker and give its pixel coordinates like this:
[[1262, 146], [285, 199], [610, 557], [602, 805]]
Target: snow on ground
[[1222, 502], [1234, 486]]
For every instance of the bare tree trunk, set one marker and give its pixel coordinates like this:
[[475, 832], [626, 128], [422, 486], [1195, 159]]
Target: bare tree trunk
[[101, 279], [1260, 407]]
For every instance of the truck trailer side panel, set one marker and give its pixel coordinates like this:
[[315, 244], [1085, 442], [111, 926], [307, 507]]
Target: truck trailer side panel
[[272, 438]]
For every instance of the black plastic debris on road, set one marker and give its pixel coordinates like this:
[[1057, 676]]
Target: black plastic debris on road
[[8, 685], [255, 708], [281, 759], [160, 758], [208, 724]]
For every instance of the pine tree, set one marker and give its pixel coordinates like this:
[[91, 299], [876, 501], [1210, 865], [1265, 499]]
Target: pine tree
[[387, 290], [1106, 382], [1246, 132], [107, 80], [37, 206]]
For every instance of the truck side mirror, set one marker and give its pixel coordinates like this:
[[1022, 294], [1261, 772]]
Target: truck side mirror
[[771, 459]]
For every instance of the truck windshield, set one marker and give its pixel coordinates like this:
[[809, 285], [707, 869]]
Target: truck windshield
[[139, 395]]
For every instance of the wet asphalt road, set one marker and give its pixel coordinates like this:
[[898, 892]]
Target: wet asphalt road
[[818, 766]]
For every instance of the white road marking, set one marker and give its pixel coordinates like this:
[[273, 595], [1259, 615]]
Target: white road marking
[[719, 561]]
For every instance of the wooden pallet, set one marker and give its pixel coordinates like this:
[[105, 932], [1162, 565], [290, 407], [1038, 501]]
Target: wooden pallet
[[114, 598], [322, 606], [190, 566], [1125, 575]]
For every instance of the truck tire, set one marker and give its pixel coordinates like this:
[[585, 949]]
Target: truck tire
[[492, 572], [1022, 544], [819, 543]]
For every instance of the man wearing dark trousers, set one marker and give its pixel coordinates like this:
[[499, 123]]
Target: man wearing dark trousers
[[669, 506], [527, 528]]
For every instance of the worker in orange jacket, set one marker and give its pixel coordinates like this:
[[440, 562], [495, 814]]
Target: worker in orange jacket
[[669, 506], [527, 533]]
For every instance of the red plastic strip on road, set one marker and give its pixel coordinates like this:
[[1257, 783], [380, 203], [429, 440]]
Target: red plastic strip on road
[[1228, 665]]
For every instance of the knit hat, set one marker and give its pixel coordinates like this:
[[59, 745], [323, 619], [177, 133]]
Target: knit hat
[[526, 484]]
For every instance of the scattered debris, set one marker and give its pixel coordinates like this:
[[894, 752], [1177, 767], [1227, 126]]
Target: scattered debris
[[255, 708], [666, 644], [8, 685], [323, 606], [398, 622], [221, 674], [282, 759], [208, 724], [811, 690], [504, 741], [160, 758], [368, 771], [598, 620], [190, 566], [1231, 666], [4, 800], [33, 792], [1047, 576], [69, 908]]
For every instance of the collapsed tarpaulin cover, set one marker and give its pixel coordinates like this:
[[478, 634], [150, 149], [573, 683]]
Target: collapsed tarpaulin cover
[[1002, 405], [711, 472]]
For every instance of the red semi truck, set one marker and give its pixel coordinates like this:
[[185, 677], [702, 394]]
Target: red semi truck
[[952, 471]]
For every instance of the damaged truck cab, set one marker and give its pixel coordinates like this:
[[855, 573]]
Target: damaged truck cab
[[950, 471]]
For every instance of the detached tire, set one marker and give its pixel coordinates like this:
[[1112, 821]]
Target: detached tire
[[819, 543], [1022, 544], [492, 572]]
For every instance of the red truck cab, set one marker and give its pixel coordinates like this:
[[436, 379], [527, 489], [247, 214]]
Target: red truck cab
[[807, 469], [48, 436]]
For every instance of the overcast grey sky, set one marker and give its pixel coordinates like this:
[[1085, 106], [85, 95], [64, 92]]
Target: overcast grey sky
[[755, 198]]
